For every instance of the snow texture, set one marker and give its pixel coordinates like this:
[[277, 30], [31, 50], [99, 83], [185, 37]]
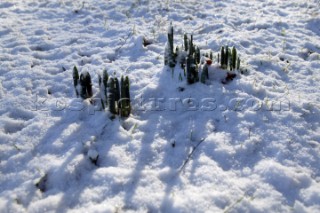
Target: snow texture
[[259, 134]]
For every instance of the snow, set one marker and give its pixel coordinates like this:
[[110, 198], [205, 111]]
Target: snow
[[251, 145]]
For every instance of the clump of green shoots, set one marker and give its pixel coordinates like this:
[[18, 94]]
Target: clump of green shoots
[[103, 83], [191, 66], [85, 85], [82, 84], [119, 96], [125, 106], [170, 56], [229, 58], [113, 94]]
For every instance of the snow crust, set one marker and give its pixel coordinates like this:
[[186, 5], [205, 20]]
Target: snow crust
[[259, 134]]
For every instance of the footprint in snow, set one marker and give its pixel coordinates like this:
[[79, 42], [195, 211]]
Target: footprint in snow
[[15, 121]]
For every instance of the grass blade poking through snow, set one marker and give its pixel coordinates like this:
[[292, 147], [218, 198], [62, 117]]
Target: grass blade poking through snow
[[190, 155], [169, 51], [105, 78], [125, 97], [117, 92], [234, 58], [86, 85], [111, 96], [75, 79], [185, 39], [222, 57]]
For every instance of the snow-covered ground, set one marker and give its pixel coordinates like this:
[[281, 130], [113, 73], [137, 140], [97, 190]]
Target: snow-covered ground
[[252, 145]]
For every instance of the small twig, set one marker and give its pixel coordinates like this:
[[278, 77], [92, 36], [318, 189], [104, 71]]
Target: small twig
[[102, 129], [245, 195], [190, 155], [233, 205], [17, 148]]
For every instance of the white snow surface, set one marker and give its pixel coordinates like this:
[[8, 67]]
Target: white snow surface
[[250, 159]]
